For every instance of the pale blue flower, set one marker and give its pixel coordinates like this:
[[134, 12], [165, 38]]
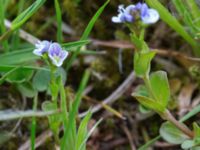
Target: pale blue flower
[[41, 47], [150, 17], [124, 15], [56, 54], [135, 12]]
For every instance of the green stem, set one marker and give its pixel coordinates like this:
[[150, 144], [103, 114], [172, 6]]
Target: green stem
[[54, 86], [142, 33], [33, 126], [130, 28]]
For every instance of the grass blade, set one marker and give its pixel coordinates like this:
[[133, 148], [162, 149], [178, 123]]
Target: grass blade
[[194, 9], [82, 131], [6, 68], [89, 134], [3, 78], [87, 32], [33, 125], [25, 15], [22, 18], [75, 44], [59, 21], [193, 112], [185, 14], [149, 143]]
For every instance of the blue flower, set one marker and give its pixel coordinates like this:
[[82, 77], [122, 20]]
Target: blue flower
[[56, 54], [124, 15], [134, 12], [148, 15], [41, 47]]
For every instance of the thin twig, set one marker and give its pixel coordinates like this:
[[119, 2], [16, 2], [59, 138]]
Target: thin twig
[[129, 136], [10, 114]]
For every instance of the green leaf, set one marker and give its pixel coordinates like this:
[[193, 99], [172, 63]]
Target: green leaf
[[172, 134], [41, 80], [160, 87], [196, 129], [89, 134], [18, 57], [142, 62], [25, 15], [190, 144], [187, 144], [149, 103], [20, 76], [3, 78], [142, 90], [7, 68], [82, 132], [26, 89], [173, 23], [59, 21]]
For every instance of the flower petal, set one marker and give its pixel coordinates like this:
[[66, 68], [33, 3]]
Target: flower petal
[[151, 17], [116, 19], [41, 47]]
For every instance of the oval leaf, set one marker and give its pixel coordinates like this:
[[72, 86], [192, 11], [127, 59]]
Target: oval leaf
[[172, 134], [160, 87], [149, 103], [142, 62]]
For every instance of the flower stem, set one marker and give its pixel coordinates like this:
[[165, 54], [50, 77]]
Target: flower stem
[[168, 116]]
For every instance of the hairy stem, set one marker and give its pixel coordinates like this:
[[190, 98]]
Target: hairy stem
[[168, 116]]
